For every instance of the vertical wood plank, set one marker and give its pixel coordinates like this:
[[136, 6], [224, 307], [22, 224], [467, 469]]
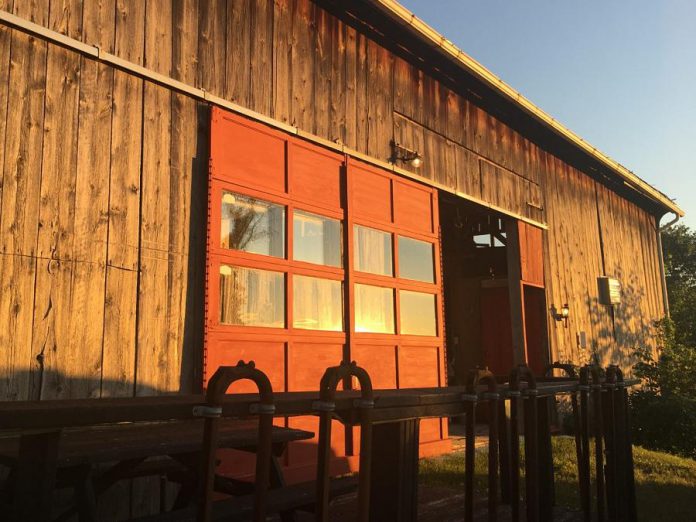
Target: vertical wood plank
[[302, 64], [118, 365], [5, 38], [59, 372], [282, 65], [351, 87], [24, 136], [212, 17], [155, 371], [408, 90], [17, 274], [20, 199], [434, 106], [238, 40], [380, 124], [261, 57], [362, 88], [6, 362], [321, 108], [519, 344], [468, 172], [98, 293], [90, 221], [337, 96], [456, 118], [187, 219]]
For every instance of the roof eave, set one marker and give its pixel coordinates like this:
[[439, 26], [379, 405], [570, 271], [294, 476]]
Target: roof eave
[[402, 15]]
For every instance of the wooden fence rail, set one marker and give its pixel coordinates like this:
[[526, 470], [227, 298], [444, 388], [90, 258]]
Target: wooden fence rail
[[388, 421]]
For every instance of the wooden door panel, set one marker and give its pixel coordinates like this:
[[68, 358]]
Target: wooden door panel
[[315, 176], [496, 330], [418, 366], [307, 362], [247, 154], [531, 254], [535, 328], [269, 358], [413, 209], [371, 196], [379, 361], [430, 430]]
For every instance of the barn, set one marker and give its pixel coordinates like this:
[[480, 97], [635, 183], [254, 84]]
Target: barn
[[187, 183]]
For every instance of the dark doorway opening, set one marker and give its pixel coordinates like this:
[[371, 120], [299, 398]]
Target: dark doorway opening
[[495, 303]]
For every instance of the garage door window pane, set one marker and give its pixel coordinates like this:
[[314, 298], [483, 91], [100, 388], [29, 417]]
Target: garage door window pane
[[416, 260], [417, 313], [373, 251], [317, 304], [374, 309], [251, 297], [317, 239], [252, 225]]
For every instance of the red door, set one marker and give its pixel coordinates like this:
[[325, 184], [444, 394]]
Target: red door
[[496, 330], [314, 259]]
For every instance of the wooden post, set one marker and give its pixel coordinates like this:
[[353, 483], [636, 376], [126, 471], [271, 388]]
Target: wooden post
[[36, 476], [394, 490], [515, 289]]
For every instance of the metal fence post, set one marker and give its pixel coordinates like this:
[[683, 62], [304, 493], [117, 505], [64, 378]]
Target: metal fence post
[[519, 374], [326, 406], [474, 379], [593, 372], [212, 411], [471, 400]]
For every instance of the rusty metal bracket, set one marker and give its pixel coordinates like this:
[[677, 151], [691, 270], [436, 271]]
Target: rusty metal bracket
[[208, 412]]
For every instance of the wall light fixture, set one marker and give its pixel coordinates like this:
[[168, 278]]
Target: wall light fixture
[[406, 155], [562, 314]]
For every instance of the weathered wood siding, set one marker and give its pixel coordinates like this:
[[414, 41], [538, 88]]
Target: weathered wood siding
[[594, 232], [103, 205], [103, 181]]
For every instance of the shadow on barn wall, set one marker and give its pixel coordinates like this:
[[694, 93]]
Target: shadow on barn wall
[[620, 331], [198, 232]]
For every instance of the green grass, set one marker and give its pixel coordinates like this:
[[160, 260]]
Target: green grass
[[665, 484]]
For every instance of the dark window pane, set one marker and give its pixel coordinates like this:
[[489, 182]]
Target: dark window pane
[[416, 260], [252, 225], [317, 304], [374, 309], [317, 239], [373, 250], [417, 313], [252, 297]]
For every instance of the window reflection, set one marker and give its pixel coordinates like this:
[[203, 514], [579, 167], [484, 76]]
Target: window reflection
[[373, 251], [252, 225], [317, 239], [252, 297], [417, 311], [416, 260], [374, 309], [317, 304]]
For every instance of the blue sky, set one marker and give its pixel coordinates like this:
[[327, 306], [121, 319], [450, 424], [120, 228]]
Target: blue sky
[[620, 73]]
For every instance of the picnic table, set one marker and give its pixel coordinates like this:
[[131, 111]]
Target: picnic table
[[92, 459]]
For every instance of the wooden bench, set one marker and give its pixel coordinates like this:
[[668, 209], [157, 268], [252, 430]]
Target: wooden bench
[[72, 457], [300, 497]]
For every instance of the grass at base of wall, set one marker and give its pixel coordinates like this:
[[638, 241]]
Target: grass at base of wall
[[665, 484]]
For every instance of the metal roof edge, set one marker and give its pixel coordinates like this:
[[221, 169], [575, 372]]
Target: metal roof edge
[[398, 11]]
